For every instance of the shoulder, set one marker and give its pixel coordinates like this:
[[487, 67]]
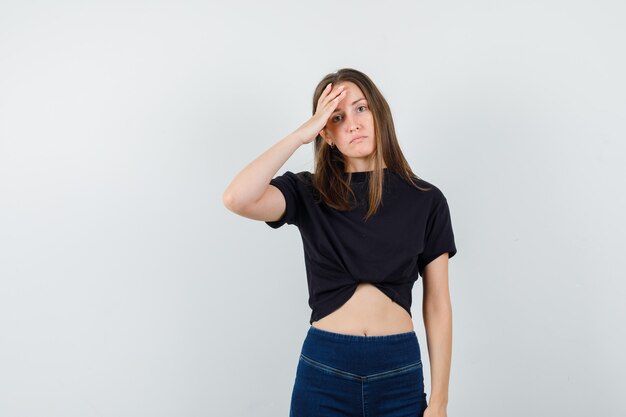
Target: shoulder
[[301, 179], [294, 177], [427, 189], [294, 183], [301, 175], [304, 176]]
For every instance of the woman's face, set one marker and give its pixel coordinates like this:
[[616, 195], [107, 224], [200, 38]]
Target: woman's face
[[351, 128]]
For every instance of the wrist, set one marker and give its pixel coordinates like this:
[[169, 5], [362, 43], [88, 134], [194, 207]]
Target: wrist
[[438, 402], [297, 137]]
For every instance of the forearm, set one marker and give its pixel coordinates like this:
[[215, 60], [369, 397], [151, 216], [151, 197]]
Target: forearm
[[251, 182], [438, 325]]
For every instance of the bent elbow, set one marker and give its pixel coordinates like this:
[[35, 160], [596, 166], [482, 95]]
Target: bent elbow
[[229, 201]]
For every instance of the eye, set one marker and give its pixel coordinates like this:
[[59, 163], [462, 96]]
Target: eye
[[362, 106]]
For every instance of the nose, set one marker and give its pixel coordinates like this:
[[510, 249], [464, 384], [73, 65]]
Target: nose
[[352, 123]]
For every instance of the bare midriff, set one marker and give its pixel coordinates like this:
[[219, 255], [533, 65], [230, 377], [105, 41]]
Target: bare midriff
[[369, 312]]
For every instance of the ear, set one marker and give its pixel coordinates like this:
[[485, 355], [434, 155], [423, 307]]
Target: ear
[[325, 136]]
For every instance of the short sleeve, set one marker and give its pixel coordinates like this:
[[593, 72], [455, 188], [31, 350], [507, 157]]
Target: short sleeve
[[439, 236], [288, 185]]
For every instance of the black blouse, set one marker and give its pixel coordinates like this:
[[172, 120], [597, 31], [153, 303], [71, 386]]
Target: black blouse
[[410, 229]]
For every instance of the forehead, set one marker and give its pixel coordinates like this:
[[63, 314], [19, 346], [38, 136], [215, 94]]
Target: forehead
[[354, 96]]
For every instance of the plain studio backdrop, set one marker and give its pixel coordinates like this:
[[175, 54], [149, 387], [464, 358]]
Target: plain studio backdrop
[[128, 289]]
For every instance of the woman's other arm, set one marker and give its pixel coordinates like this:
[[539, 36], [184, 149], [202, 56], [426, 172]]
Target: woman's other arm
[[437, 313]]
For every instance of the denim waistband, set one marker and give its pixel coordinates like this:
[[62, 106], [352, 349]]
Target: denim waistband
[[364, 339], [361, 355]]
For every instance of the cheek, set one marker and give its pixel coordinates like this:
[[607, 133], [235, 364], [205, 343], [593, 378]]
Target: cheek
[[367, 123], [331, 126]]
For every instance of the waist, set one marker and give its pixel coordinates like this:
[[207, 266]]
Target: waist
[[362, 355], [368, 312]]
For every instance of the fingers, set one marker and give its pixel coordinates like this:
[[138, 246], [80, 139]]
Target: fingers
[[329, 93], [337, 98], [340, 95], [324, 94], [330, 96]]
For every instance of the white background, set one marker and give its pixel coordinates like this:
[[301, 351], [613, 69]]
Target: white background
[[126, 287]]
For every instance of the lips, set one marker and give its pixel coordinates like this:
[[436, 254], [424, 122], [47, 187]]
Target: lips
[[358, 137]]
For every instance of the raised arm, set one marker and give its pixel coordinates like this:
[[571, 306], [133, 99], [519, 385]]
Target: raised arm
[[250, 194]]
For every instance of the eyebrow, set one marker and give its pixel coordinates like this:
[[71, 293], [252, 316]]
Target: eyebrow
[[353, 103]]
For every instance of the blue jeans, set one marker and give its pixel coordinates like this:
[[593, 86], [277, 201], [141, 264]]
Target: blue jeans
[[341, 375]]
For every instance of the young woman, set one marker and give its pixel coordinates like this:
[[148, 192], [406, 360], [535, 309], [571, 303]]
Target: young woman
[[369, 226]]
